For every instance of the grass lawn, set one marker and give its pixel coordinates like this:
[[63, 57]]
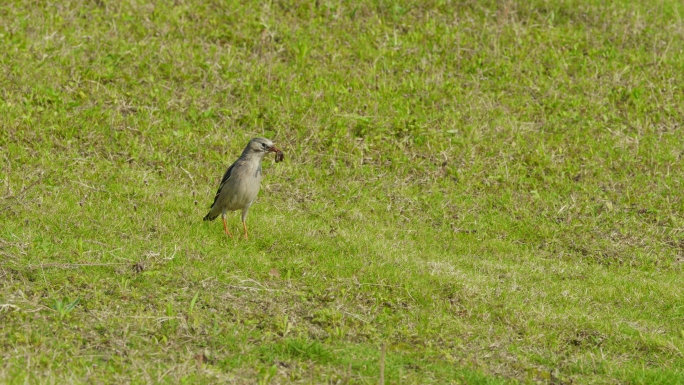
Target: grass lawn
[[490, 191]]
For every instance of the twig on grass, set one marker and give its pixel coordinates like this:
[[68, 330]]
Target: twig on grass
[[261, 286], [192, 180], [252, 288], [385, 285], [24, 190], [8, 306], [354, 316], [160, 320]]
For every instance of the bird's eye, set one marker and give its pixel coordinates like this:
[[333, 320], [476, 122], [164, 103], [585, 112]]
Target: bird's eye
[[263, 145]]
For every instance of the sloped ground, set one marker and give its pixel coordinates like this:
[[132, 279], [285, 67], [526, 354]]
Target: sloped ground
[[491, 190]]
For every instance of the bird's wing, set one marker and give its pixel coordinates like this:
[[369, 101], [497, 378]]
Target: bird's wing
[[226, 176]]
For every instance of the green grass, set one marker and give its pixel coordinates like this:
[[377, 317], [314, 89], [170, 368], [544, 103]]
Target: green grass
[[490, 189]]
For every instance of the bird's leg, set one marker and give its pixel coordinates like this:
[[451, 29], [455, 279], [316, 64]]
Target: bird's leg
[[244, 218], [225, 227]]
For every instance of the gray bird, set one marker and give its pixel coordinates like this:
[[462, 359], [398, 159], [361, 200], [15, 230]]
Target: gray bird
[[241, 182]]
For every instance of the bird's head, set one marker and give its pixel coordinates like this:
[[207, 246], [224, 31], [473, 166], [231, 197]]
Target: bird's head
[[261, 146]]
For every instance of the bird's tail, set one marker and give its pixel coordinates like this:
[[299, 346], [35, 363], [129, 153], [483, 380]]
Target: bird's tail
[[210, 216]]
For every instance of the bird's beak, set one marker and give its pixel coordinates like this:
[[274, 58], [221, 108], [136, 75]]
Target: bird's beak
[[273, 149]]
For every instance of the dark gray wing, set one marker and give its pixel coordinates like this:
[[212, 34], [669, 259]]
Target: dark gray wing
[[226, 176]]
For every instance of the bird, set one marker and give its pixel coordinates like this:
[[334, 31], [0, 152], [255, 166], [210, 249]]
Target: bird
[[241, 182]]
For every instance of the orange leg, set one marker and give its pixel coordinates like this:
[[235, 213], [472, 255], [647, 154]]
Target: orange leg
[[225, 227], [244, 226]]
